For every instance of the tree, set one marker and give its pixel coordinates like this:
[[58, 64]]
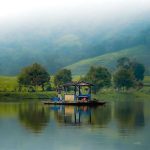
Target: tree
[[123, 62], [124, 78], [34, 75], [62, 76], [138, 70], [99, 76]]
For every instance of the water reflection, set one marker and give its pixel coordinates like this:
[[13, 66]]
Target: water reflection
[[72, 115], [117, 125], [129, 115], [33, 116], [102, 115]]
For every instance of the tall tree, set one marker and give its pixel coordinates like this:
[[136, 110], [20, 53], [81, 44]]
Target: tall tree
[[138, 70], [34, 75], [62, 76], [124, 78], [99, 76]]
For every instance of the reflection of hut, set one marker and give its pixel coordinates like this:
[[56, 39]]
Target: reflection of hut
[[77, 94], [73, 115]]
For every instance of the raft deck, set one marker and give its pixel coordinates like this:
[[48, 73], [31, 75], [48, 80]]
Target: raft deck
[[88, 103]]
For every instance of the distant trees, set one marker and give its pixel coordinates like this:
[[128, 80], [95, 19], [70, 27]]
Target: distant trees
[[129, 73], [99, 76], [124, 78], [34, 75], [62, 76], [137, 68]]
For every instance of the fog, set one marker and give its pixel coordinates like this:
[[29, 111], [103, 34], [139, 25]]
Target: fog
[[74, 11]]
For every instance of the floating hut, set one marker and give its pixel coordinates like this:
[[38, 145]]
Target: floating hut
[[75, 93]]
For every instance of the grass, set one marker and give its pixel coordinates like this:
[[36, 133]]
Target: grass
[[140, 53], [8, 91], [19, 96], [8, 83], [147, 79], [110, 94]]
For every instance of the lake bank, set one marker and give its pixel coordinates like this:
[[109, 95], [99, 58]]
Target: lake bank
[[105, 95], [8, 92], [19, 96], [112, 95]]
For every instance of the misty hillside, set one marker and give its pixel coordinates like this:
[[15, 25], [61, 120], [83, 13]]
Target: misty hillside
[[139, 53], [60, 46]]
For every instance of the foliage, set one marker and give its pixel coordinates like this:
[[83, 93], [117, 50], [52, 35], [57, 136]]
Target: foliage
[[124, 78], [21, 96], [99, 76], [54, 46], [140, 53], [123, 62], [137, 68], [34, 75], [62, 76]]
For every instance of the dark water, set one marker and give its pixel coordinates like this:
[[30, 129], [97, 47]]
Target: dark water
[[118, 125]]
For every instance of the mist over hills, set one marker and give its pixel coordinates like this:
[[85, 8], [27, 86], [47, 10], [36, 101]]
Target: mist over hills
[[139, 53], [61, 44]]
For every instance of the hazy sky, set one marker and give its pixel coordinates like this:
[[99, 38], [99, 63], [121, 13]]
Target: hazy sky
[[17, 9]]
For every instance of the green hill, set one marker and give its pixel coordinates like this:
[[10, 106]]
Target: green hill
[[139, 53], [61, 45]]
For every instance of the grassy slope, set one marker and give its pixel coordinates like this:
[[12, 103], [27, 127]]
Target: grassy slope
[[106, 94], [8, 83], [140, 53], [8, 86]]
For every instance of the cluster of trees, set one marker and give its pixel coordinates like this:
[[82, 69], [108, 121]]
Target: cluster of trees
[[128, 74], [33, 76], [99, 76]]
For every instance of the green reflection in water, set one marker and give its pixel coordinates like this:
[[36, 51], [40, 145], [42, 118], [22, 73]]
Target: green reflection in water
[[33, 116], [129, 115]]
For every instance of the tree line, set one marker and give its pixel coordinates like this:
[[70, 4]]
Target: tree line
[[128, 74]]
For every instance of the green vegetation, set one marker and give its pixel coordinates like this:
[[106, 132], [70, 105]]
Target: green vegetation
[[111, 94], [139, 53], [99, 76], [33, 76], [7, 92], [19, 96], [147, 79], [62, 76], [129, 74], [8, 84], [55, 48], [124, 78]]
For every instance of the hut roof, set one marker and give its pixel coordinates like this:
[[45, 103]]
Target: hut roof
[[81, 83], [70, 84]]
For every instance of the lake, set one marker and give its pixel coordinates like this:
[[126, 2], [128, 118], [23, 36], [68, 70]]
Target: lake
[[118, 125]]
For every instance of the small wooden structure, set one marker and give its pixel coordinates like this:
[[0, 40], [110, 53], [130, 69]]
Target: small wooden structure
[[73, 95], [77, 94]]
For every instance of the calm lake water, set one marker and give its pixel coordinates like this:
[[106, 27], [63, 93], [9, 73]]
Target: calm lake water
[[118, 125]]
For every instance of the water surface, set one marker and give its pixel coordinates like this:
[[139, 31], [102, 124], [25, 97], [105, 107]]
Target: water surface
[[117, 125]]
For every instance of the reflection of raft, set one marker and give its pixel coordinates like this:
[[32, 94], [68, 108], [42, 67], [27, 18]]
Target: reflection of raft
[[79, 103]]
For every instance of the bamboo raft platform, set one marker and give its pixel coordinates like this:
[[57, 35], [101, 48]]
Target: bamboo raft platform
[[88, 103]]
